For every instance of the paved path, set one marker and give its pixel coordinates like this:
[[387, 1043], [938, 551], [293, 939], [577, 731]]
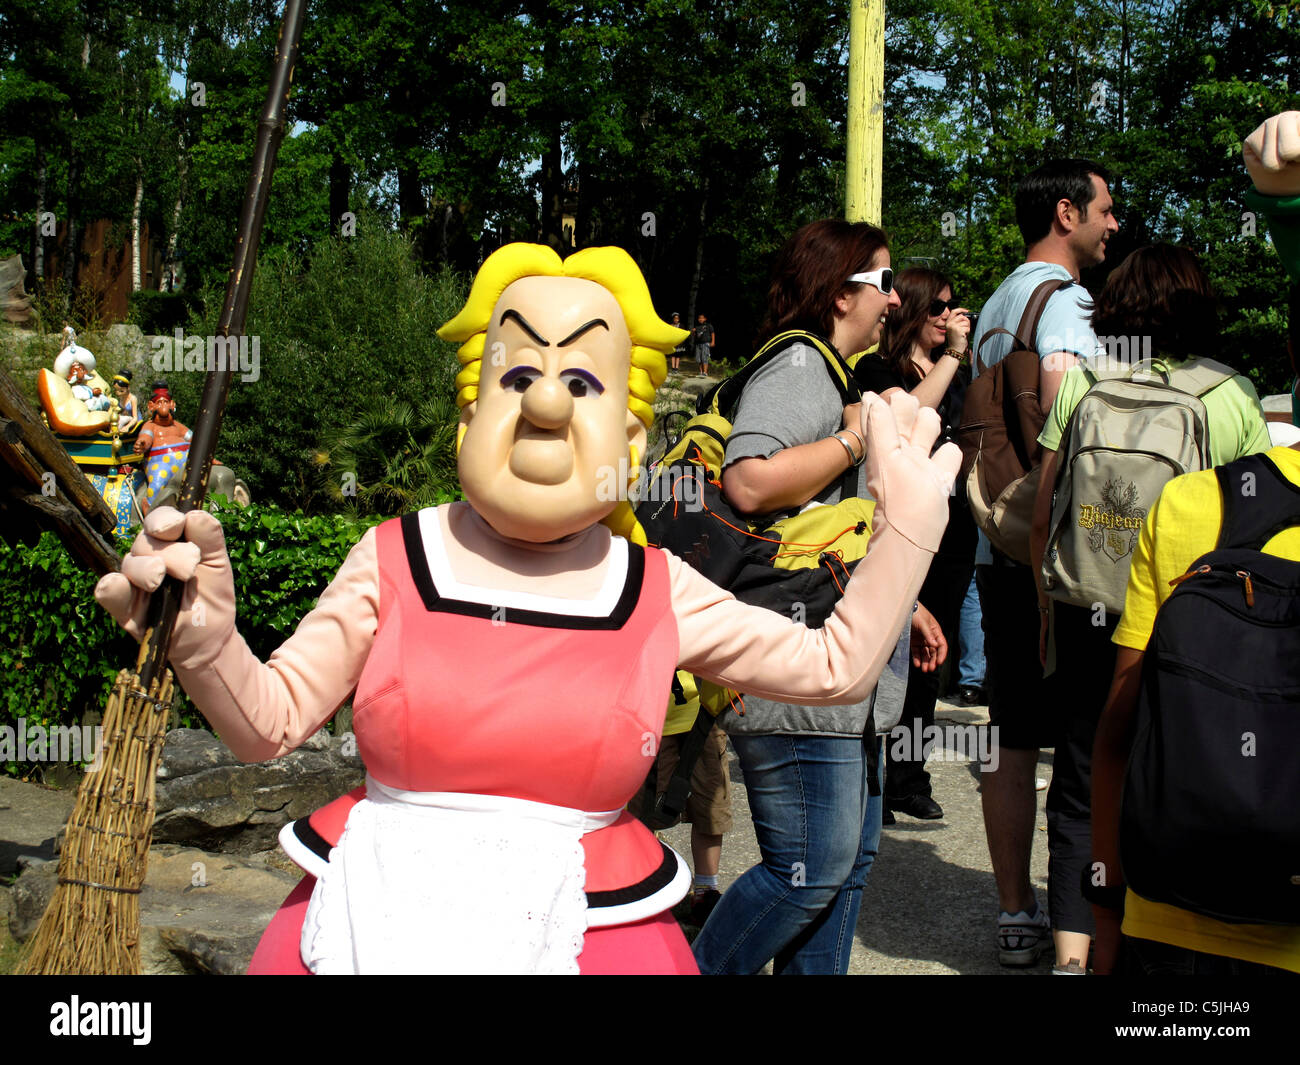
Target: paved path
[[930, 905]]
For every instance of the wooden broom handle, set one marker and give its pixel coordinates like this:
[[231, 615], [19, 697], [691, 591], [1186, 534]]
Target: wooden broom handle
[[165, 603]]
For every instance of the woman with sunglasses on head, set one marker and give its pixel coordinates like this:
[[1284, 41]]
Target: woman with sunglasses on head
[[807, 775], [923, 351]]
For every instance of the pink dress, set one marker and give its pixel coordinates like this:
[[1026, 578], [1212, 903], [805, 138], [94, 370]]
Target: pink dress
[[427, 721]]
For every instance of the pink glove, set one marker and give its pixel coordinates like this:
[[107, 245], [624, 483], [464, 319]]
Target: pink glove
[[1272, 155], [206, 621], [911, 488]]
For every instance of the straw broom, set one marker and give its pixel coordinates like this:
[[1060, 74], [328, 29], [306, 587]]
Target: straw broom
[[92, 925]]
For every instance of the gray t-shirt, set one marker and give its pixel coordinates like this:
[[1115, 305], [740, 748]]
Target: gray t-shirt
[[791, 401]]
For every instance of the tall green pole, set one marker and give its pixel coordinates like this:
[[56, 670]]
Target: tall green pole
[[866, 119]]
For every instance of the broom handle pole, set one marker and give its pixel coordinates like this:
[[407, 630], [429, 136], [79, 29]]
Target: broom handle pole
[[165, 604]]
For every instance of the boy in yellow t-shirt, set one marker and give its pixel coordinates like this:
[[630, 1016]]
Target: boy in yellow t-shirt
[[1182, 526]]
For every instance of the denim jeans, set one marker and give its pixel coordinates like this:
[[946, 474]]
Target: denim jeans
[[971, 665], [818, 831]]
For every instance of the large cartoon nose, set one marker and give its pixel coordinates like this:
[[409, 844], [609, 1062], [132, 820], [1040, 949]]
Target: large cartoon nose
[[547, 403]]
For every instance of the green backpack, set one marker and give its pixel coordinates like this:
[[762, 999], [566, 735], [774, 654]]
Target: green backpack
[[795, 563]]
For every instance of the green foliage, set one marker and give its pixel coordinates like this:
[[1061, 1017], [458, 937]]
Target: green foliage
[[341, 334], [160, 313], [397, 456], [59, 651]]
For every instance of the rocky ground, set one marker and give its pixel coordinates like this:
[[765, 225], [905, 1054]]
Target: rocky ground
[[213, 884]]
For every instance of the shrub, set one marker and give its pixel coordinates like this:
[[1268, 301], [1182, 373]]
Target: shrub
[[60, 651]]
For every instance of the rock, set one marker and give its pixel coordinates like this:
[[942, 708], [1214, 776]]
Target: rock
[[199, 912], [29, 896], [15, 304], [695, 386], [31, 818], [207, 798], [124, 344], [192, 750]]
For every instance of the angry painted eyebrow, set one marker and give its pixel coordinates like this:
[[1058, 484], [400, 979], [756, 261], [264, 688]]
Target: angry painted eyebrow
[[582, 329], [525, 326]]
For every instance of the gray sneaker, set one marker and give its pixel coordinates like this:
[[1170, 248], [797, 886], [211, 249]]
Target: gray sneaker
[[1021, 938]]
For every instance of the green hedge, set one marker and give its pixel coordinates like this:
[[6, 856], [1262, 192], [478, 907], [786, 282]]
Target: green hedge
[[59, 651]]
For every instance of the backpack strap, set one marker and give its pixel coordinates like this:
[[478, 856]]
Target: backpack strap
[[672, 803], [1258, 502], [1028, 326], [1200, 376], [723, 397]]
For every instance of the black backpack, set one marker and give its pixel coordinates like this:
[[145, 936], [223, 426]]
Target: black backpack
[[1211, 812], [799, 560]]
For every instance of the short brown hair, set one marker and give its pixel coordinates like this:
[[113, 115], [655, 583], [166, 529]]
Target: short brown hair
[[1159, 291], [811, 271]]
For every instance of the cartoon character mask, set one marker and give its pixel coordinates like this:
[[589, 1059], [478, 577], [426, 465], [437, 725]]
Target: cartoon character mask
[[557, 390]]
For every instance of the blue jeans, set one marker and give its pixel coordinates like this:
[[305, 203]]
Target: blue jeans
[[818, 831], [971, 665]]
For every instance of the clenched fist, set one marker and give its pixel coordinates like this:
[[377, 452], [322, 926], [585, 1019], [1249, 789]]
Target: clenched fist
[[1273, 155], [192, 548]]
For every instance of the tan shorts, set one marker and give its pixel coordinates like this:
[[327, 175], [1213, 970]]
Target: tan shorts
[[709, 807]]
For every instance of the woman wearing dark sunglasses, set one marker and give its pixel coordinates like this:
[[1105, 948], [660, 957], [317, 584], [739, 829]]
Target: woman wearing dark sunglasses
[[923, 350]]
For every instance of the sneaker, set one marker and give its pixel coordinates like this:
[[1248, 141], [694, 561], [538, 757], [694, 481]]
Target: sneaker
[[1021, 938], [1072, 969]]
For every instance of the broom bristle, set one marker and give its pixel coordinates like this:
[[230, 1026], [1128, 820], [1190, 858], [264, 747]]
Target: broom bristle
[[92, 925]]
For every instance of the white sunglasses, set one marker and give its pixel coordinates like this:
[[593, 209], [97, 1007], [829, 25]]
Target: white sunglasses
[[883, 279]]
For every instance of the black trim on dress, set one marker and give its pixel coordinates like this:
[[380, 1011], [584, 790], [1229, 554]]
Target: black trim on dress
[[433, 601]]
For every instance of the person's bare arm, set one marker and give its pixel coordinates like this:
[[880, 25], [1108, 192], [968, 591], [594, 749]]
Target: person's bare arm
[[931, 389], [1051, 372], [790, 478], [1109, 757]]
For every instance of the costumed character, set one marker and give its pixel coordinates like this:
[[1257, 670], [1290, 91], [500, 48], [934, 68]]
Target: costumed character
[[167, 442], [511, 655]]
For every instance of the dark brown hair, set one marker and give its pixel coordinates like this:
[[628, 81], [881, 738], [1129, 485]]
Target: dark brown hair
[[810, 274], [917, 287], [1159, 291]]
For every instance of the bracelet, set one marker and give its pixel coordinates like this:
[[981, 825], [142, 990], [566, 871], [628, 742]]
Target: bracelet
[[848, 450], [862, 444], [962, 357]]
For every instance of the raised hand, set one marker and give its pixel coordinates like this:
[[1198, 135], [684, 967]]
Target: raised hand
[[192, 548], [1272, 154], [910, 486]]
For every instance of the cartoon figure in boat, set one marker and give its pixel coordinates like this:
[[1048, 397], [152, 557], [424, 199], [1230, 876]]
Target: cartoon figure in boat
[[511, 655], [76, 365]]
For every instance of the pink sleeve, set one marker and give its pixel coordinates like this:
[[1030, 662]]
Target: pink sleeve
[[262, 711], [761, 652]]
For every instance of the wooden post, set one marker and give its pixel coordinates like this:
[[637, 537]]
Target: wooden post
[[866, 120]]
